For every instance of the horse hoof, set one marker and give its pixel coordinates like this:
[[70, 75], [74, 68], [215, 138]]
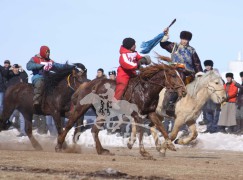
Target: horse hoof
[[58, 148], [176, 141], [145, 154], [129, 146], [106, 152], [38, 148], [171, 147], [158, 148]]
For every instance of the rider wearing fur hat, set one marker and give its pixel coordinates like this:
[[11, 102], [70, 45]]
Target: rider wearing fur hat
[[41, 64], [129, 61], [183, 55]]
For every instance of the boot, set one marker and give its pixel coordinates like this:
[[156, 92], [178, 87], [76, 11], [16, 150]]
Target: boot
[[168, 108]]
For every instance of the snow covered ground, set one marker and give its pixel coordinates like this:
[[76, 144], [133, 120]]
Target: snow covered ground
[[216, 141]]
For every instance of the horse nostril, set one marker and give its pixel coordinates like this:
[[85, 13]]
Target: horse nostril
[[184, 94]]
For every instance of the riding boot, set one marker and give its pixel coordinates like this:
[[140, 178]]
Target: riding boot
[[38, 90], [168, 108]]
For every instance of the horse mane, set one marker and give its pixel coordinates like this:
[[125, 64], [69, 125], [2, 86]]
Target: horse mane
[[201, 82], [149, 71], [51, 80]]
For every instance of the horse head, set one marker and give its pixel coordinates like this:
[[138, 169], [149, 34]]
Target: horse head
[[80, 72], [215, 87]]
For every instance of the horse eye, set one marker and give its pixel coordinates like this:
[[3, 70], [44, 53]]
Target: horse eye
[[216, 82]]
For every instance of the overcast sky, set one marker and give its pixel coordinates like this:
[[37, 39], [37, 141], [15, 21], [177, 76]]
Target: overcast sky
[[91, 31]]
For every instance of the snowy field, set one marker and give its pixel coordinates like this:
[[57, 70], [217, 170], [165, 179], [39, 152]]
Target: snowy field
[[216, 141]]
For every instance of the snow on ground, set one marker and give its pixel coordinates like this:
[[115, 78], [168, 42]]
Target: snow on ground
[[217, 141]]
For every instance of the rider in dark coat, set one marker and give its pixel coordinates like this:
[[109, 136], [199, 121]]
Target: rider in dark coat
[[182, 54]]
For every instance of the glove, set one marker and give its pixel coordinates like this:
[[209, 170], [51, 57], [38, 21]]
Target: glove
[[146, 60], [47, 67]]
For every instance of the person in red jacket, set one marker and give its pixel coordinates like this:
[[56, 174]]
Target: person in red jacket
[[227, 117], [129, 61]]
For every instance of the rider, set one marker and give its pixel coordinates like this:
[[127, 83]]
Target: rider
[[41, 64], [129, 61], [185, 56]]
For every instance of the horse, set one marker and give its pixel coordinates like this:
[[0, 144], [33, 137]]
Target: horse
[[56, 99], [143, 90], [188, 109]]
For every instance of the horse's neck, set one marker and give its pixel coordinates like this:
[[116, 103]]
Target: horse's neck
[[201, 98]]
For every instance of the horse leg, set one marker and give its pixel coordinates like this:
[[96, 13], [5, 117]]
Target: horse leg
[[132, 138], [156, 138], [159, 125], [8, 110], [95, 132], [77, 113], [139, 123], [78, 129], [192, 127], [28, 130]]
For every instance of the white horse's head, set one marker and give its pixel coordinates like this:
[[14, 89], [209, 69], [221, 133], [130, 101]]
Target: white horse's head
[[213, 83]]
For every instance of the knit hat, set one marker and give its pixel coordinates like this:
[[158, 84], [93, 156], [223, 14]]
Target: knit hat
[[128, 43], [186, 35], [43, 50], [241, 74], [229, 75], [6, 62], [208, 63], [112, 73]]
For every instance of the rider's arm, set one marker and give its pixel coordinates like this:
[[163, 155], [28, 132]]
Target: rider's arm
[[58, 66], [196, 63], [167, 45], [31, 65]]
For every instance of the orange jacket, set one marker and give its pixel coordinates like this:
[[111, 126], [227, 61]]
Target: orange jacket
[[231, 92]]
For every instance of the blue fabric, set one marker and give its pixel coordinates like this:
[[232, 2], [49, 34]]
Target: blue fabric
[[1, 102], [149, 45], [51, 126]]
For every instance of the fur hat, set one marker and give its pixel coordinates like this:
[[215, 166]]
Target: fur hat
[[208, 63], [241, 74], [186, 35], [16, 66], [229, 75], [6, 62], [128, 43], [112, 73], [100, 69]]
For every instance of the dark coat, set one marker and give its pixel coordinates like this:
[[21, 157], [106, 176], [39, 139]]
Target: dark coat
[[3, 78], [239, 100], [16, 78], [195, 59]]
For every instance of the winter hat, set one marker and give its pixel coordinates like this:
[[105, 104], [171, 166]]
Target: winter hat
[[112, 72], [128, 43], [241, 74], [6, 62], [43, 50], [208, 63], [15, 66], [186, 35], [100, 69], [229, 75]]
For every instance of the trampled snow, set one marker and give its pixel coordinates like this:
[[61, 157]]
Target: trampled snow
[[216, 141]]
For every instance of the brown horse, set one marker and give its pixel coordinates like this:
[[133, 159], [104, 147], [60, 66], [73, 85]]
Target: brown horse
[[142, 90], [59, 88]]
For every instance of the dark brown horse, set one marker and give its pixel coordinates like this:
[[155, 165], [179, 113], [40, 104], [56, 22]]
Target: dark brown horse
[[142, 91], [59, 88]]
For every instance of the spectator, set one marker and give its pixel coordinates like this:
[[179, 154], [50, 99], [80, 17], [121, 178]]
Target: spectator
[[227, 117], [51, 126], [211, 110], [100, 73], [239, 105], [40, 123], [3, 79], [17, 75], [112, 75]]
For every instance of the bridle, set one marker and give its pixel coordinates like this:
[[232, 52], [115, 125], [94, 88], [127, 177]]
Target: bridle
[[213, 91], [80, 73]]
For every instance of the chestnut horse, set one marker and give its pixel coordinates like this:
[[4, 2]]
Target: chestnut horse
[[58, 90], [143, 90]]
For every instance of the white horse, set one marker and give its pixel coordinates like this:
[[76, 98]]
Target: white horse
[[188, 108]]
